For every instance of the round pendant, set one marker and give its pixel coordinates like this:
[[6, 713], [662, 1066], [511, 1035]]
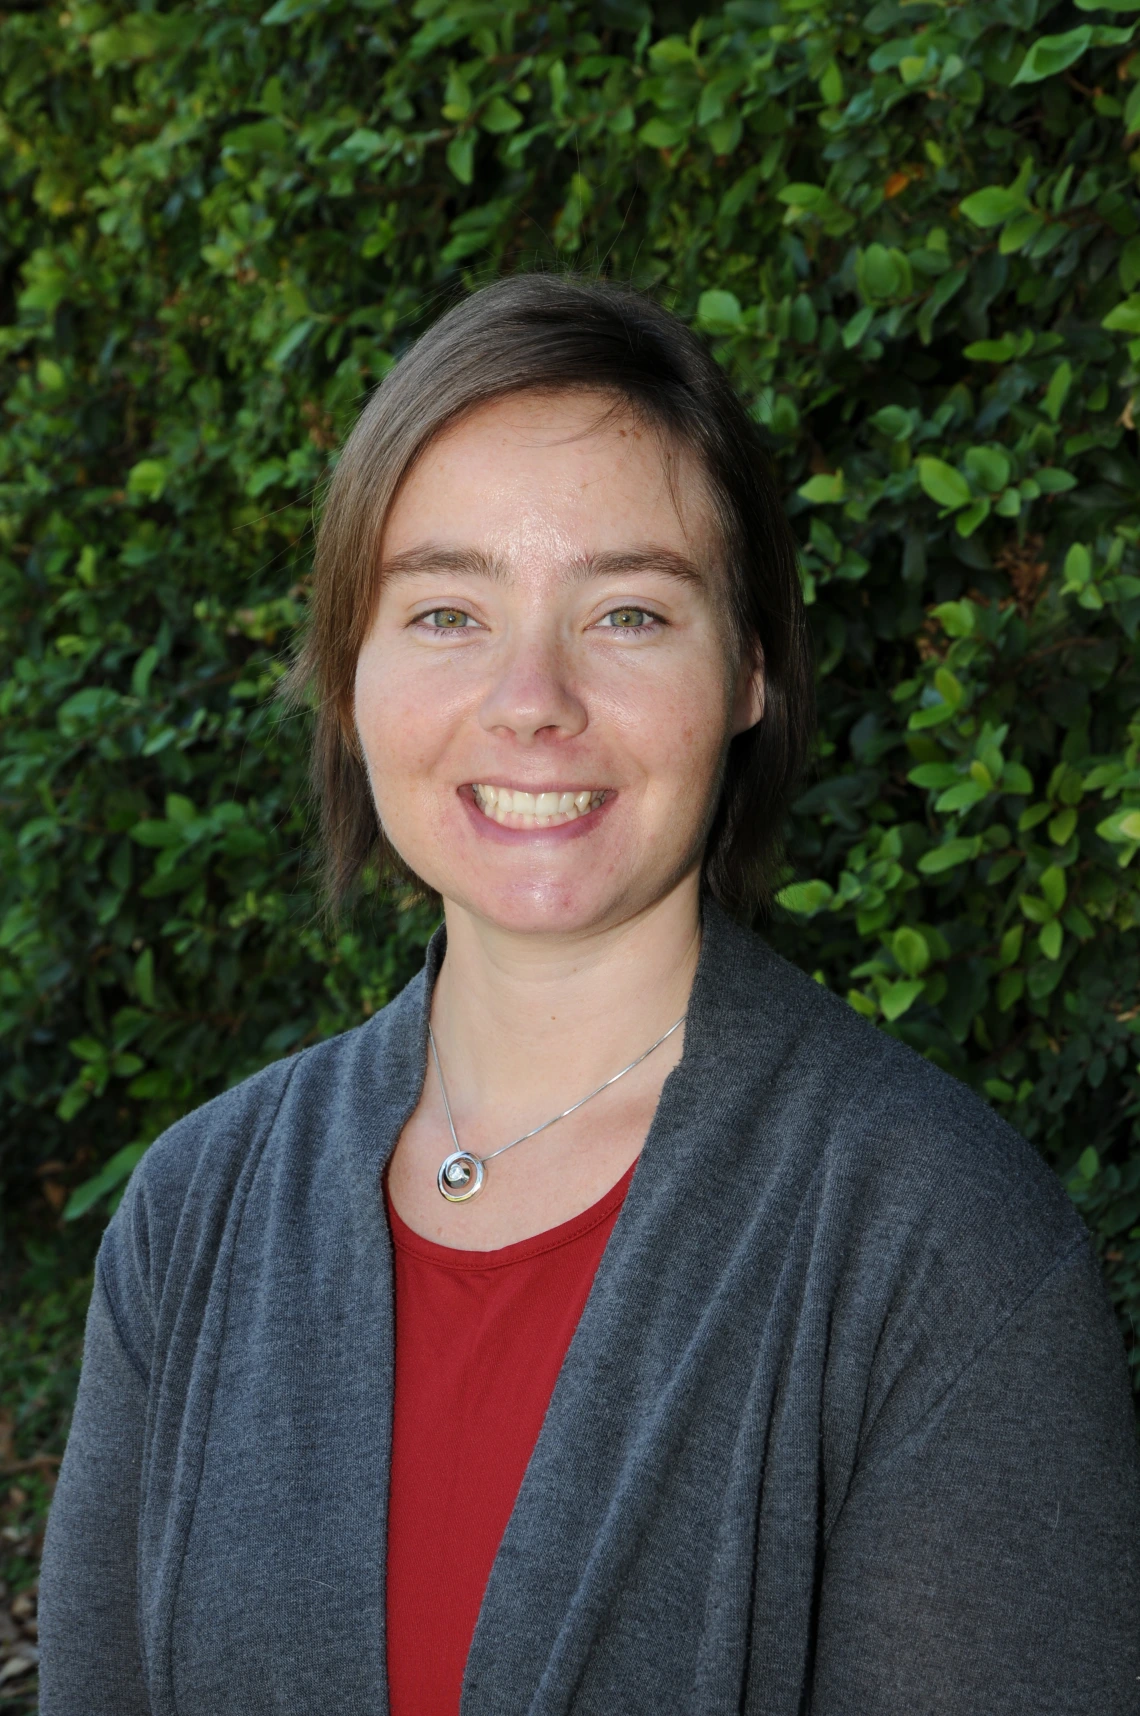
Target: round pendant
[[460, 1177]]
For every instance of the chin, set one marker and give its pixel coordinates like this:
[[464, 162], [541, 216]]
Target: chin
[[538, 908]]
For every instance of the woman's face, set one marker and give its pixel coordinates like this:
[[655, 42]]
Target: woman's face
[[548, 687]]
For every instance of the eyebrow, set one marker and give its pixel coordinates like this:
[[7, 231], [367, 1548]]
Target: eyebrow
[[613, 563]]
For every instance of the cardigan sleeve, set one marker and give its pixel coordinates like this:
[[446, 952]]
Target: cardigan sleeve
[[90, 1657], [989, 1558]]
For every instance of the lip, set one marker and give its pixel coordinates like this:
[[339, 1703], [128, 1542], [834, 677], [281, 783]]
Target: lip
[[491, 830]]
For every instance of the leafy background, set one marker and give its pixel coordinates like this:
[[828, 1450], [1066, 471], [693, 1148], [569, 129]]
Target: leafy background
[[912, 234]]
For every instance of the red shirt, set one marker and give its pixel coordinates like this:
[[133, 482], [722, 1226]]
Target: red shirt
[[480, 1339]]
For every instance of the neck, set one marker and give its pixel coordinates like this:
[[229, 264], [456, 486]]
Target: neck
[[539, 1017]]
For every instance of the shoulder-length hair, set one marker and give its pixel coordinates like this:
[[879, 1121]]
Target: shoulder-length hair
[[539, 332]]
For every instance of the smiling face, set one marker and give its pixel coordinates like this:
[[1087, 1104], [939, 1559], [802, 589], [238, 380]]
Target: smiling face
[[549, 684]]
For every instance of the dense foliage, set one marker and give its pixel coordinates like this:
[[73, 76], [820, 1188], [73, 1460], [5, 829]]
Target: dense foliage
[[911, 231]]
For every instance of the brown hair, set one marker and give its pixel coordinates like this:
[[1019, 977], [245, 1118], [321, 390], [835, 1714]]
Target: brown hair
[[552, 333]]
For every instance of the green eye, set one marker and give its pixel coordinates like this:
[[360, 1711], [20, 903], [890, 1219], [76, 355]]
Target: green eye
[[447, 619], [629, 619]]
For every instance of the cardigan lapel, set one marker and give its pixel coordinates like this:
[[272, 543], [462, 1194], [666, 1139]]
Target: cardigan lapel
[[624, 1417]]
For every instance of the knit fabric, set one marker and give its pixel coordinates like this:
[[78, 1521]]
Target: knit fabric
[[843, 1429], [480, 1339]]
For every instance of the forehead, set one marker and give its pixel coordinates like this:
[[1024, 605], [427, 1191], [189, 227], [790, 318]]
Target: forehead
[[580, 472]]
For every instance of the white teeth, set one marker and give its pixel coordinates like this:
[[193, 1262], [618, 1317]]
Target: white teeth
[[516, 809]]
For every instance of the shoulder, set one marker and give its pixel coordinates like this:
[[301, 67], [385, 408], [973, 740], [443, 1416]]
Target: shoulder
[[932, 1199], [283, 1122], [209, 1145], [898, 1121], [936, 1227]]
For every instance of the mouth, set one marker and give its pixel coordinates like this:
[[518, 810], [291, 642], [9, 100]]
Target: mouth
[[512, 808]]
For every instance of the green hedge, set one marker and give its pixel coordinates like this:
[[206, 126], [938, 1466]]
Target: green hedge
[[912, 233]]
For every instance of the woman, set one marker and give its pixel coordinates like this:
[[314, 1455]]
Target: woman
[[776, 1373]]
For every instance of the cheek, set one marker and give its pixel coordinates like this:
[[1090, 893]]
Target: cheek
[[401, 726], [686, 727]]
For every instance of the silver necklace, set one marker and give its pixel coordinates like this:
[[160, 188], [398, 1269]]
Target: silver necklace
[[462, 1173]]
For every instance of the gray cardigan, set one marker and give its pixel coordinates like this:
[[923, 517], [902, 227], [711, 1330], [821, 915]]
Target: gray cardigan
[[844, 1428]]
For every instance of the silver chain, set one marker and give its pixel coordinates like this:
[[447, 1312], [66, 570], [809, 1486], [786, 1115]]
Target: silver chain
[[574, 1106]]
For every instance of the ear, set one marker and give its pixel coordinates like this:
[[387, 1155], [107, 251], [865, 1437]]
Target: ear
[[748, 704]]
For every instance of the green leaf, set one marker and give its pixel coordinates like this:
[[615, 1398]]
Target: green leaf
[[805, 899], [156, 833], [878, 273], [363, 144], [1016, 778], [96, 706], [823, 490], [894, 421], [934, 775], [831, 83], [457, 97], [1078, 567], [803, 196], [1020, 232], [143, 668], [943, 483], [993, 351], [992, 206], [88, 1049], [1058, 390], [948, 686], [719, 312], [1053, 482], [897, 998], [1088, 1163], [660, 134], [1061, 827], [500, 115], [968, 521], [911, 954], [961, 797], [1051, 939], [1052, 54], [1124, 318], [988, 466], [115, 1172], [179, 809], [949, 856], [1052, 885], [1129, 264], [460, 156], [1010, 950], [957, 619], [147, 479], [144, 977], [858, 325], [932, 716]]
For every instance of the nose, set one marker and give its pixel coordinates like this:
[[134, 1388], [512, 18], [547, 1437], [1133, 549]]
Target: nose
[[531, 696]]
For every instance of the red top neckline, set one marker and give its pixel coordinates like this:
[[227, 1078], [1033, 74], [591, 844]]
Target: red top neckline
[[449, 1257]]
